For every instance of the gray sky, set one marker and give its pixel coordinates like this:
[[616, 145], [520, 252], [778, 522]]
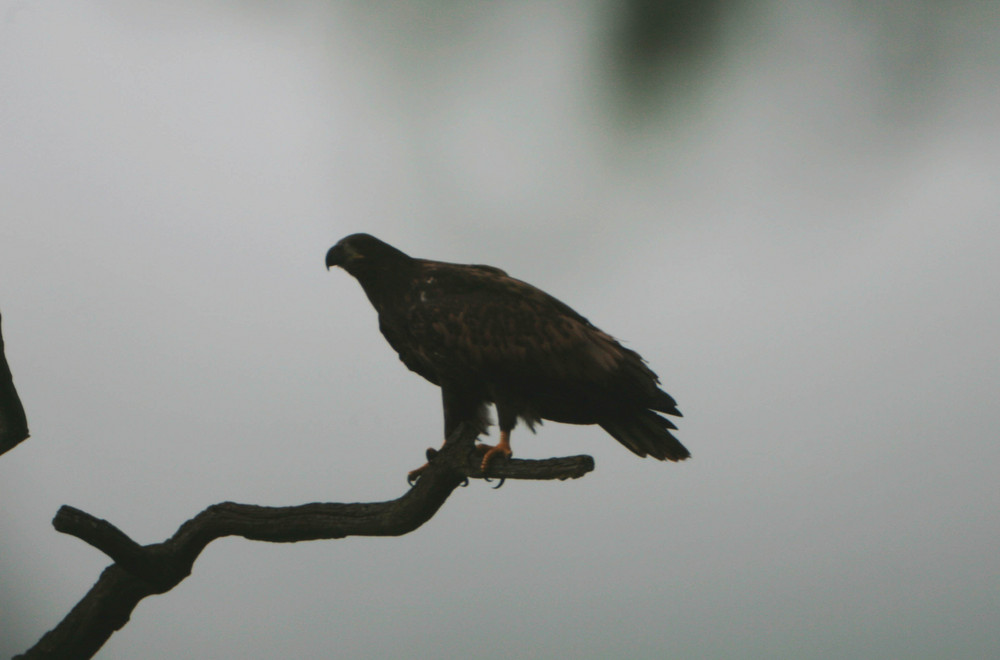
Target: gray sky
[[796, 226]]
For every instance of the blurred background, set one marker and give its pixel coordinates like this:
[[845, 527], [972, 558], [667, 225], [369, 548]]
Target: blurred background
[[789, 208]]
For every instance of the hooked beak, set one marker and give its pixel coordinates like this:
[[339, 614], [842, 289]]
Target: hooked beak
[[336, 256]]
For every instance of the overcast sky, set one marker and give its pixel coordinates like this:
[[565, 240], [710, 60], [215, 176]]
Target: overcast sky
[[796, 221]]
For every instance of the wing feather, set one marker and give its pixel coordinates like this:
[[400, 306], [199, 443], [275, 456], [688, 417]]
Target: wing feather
[[481, 319]]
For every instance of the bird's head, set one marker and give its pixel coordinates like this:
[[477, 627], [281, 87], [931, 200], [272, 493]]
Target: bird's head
[[359, 253]]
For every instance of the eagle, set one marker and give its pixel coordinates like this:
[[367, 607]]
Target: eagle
[[487, 338]]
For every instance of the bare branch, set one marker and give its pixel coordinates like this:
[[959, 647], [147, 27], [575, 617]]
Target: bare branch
[[141, 571], [13, 423]]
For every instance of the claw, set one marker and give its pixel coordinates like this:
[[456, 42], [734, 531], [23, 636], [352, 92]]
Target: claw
[[491, 452], [502, 447], [414, 475], [465, 482]]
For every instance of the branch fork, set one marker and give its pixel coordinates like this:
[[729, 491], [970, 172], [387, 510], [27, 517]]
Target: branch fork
[[139, 571]]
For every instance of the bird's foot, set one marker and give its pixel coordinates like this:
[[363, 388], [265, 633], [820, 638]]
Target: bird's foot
[[491, 451], [413, 475]]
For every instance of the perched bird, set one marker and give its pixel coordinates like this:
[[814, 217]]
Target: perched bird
[[485, 337]]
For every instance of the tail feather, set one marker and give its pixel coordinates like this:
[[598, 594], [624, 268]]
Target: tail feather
[[639, 381], [665, 403], [647, 434]]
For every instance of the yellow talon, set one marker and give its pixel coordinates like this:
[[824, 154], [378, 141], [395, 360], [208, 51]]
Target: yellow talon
[[502, 447]]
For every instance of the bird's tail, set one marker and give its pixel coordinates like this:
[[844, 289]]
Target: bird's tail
[[665, 403], [647, 434]]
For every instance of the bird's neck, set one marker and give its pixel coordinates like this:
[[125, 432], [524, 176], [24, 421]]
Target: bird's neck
[[385, 283]]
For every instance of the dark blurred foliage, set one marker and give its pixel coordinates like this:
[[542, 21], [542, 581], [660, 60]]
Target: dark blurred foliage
[[653, 36], [660, 52], [655, 46]]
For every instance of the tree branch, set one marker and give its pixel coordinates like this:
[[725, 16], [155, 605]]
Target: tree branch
[[13, 423], [141, 571]]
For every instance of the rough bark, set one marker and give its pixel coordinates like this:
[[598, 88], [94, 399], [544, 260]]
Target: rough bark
[[13, 423], [141, 571]]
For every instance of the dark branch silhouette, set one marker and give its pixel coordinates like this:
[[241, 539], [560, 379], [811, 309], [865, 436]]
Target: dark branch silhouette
[[13, 423], [139, 571]]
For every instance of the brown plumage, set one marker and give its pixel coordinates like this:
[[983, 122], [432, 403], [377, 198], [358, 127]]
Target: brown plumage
[[485, 337]]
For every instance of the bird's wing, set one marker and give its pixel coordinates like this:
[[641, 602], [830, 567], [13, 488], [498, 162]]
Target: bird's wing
[[479, 319]]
